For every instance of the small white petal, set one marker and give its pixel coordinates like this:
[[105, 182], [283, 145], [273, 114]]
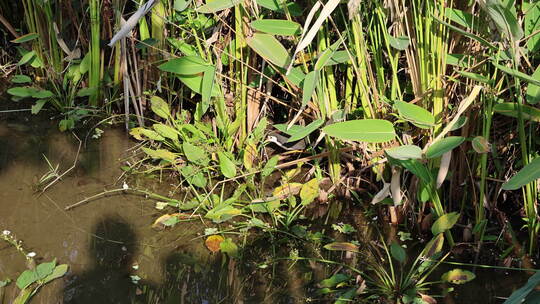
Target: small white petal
[[125, 186], [31, 254], [6, 232]]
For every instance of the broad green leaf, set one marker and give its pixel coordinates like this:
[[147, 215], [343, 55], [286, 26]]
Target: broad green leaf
[[228, 168], [462, 18], [38, 106], [22, 91], [214, 6], [517, 74], [160, 107], [26, 38], [326, 55], [180, 5], [527, 174], [444, 222], [268, 47], [43, 270], [309, 86], [195, 154], [400, 43], [366, 130], [58, 272], [42, 94], [405, 152], [458, 276], [195, 83], [229, 247], [270, 166], [222, 213], [187, 65], [27, 278], [207, 84], [511, 109], [533, 91], [309, 191], [85, 92], [416, 167], [182, 46], [292, 130], [305, 131], [21, 79], [166, 131], [194, 176], [335, 280], [341, 246], [531, 25], [397, 252], [504, 18], [338, 58], [160, 154], [279, 6], [444, 145], [277, 26], [27, 57], [415, 114]]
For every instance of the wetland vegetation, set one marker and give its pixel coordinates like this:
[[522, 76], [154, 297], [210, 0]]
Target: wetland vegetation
[[269, 151]]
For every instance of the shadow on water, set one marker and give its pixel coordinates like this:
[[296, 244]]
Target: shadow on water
[[107, 280]]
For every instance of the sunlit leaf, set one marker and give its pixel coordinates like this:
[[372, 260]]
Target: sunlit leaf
[[511, 109], [309, 86], [160, 107], [187, 65], [415, 114], [341, 246], [26, 38], [213, 242], [214, 6], [229, 247], [366, 130], [228, 168], [444, 222], [405, 152], [444, 145], [527, 174], [400, 43], [309, 191], [276, 26], [458, 276], [269, 48]]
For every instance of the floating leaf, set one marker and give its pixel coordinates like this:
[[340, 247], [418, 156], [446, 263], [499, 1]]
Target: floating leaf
[[160, 107], [213, 243], [269, 48], [444, 145], [415, 114], [277, 26], [228, 168], [527, 174], [341, 246], [400, 43], [405, 152], [458, 276], [444, 222], [366, 130], [309, 191], [397, 252]]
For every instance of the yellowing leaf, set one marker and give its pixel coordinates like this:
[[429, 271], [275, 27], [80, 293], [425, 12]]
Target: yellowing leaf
[[286, 190], [458, 276], [341, 246], [213, 242], [309, 191]]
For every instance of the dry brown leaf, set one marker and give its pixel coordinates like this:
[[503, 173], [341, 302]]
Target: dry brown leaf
[[213, 242]]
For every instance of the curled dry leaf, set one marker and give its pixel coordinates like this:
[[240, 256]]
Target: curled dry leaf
[[443, 169], [213, 242], [169, 220]]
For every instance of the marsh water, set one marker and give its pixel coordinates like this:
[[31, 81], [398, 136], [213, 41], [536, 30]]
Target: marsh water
[[109, 242]]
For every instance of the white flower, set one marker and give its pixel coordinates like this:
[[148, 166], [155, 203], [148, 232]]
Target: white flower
[[31, 254], [125, 186], [6, 232]]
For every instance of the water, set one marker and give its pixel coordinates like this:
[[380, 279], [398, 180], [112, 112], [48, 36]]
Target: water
[[108, 242]]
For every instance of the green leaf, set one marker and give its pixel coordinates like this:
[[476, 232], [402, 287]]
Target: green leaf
[[533, 91], [504, 18], [228, 169], [279, 6], [335, 280], [397, 252], [434, 246], [405, 152], [309, 85], [269, 48], [462, 18], [160, 107], [187, 65], [527, 174], [214, 6], [195, 83], [270, 166], [460, 60], [277, 27], [292, 130], [42, 94], [511, 109], [475, 77], [341, 246], [27, 57], [326, 55], [85, 92], [400, 43], [415, 114], [38, 106], [58, 272], [166, 131], [21, 79], [445, 222], [519, 296], [517, 74], [480, 144], [305, 131], [531, 25], [338, 58], [22, 91], [194, 176], [444, 145], [229, 247], [195, 154], [458, 276], [26, 278], [207, 84], [26, 38], [222, 213], [366, 130]]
